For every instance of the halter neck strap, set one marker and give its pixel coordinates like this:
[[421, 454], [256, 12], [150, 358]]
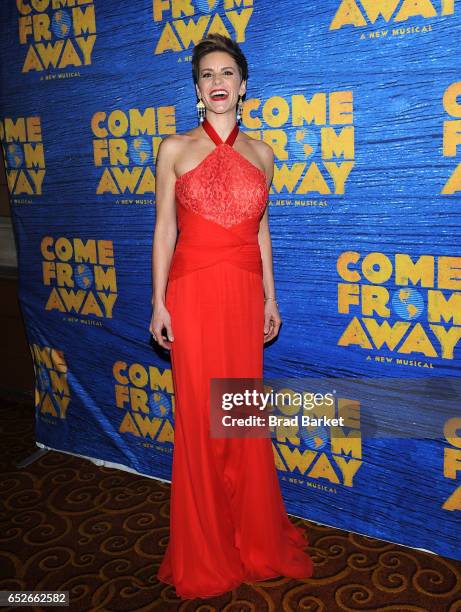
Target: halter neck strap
[[209, 129]]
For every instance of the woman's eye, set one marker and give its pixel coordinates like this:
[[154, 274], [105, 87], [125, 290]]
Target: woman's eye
[[207, 74]]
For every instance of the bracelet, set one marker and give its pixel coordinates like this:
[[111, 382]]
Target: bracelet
[[271, 298]]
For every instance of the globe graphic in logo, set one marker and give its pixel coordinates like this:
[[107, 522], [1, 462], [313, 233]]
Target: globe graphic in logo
[[14, 156], [43, 378], [408, 303], [140, 151], [61, 24], [202, 5], [397, 104], [314, 437], [160, 404], [307, 143], [83, 276]]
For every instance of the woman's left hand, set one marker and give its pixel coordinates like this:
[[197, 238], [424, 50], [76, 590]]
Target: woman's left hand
[[272, 320]]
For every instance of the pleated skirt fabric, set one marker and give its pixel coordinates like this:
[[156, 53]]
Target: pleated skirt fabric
[[228, 522]]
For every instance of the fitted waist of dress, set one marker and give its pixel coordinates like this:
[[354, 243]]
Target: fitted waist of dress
[[203, 243], [189, 257]]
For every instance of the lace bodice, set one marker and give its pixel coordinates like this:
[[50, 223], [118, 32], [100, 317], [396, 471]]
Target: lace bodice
[[225, 187], [220, 203]]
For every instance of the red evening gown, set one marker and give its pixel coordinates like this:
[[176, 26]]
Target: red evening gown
[[228, 522]]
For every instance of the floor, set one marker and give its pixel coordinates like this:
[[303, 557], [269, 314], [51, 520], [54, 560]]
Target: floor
[[100, 533]]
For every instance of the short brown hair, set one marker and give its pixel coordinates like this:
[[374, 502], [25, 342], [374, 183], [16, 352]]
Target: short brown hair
[[218, 42]]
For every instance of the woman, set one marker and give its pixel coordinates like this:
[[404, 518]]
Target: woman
[[214, 295]]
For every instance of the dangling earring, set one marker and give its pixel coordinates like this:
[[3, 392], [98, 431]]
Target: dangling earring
[[201, 110], [239, 109]]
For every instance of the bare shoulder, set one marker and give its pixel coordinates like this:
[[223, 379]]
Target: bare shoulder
[[262, 150], [266, 152], [167, 149], [173, 146], [169, 145]]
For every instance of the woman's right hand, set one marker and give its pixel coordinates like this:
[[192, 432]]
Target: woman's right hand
[[161, 319]]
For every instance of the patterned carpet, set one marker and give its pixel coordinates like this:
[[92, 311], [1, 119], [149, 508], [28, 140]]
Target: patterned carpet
[[100, 533]]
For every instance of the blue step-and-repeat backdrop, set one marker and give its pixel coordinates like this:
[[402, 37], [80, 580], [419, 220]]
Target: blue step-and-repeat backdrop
[[361, 102]]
